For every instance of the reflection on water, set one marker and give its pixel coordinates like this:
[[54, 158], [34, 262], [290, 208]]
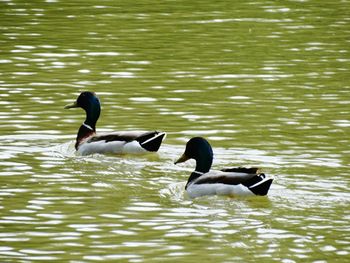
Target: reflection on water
[[266, 83]]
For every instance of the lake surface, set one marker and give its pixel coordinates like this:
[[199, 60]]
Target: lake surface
[[266, 82]]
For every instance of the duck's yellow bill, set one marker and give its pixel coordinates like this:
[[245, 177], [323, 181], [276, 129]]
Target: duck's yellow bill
[[182, 159], [73, 105]]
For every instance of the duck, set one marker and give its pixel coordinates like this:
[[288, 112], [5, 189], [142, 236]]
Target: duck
[[129, 142], [240, 181]]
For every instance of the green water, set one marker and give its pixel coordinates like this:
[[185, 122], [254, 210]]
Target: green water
[[266, 82]]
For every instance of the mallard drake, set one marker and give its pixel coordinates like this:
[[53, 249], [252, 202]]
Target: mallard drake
[[88, 142], [231, 181]]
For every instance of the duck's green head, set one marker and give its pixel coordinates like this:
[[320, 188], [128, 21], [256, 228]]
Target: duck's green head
[[86, 100], [90, 103], [199, 149]]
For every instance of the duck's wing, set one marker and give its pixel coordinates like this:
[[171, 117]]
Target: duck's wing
[[116, 136], [225, 177], [251, 170], [151, 141]]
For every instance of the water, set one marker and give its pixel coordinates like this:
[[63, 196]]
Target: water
[[266, 82]]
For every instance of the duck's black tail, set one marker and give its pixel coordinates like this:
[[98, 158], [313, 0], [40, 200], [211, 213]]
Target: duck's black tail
[[151, 141], [259, 184]]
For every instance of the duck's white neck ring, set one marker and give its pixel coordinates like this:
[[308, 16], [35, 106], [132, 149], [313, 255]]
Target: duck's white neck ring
[[196, 172], [88, 126]]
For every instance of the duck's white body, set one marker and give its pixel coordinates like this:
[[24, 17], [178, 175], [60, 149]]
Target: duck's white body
[[116, 147], [196, 190], [94, 145], [198, 187]]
